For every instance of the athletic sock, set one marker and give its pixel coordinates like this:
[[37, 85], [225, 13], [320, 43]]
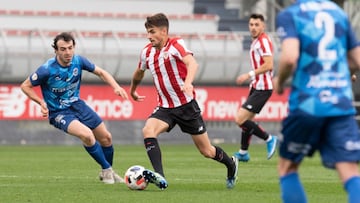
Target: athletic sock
[[109, 153], [352, 186], [222, 157], [292, 190], [154, 154], [97, 154], [253, 128], [245, 140]]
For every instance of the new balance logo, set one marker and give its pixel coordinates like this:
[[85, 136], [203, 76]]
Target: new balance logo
[[201, 128]]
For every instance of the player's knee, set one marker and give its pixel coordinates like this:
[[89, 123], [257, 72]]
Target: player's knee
[[105, 139], [148, 131], [88, 140], [239, 120], [207, 153]]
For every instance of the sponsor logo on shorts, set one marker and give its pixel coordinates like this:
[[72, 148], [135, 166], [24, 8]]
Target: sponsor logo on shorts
[[352, 145]]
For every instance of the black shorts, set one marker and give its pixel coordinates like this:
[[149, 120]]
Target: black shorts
[[256, 100], [187, 116]]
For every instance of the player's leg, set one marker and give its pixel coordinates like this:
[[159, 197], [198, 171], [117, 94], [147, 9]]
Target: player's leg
[[76, 128], [255, 129], [89, 118], [253, 105], [349, 175], [216, 153], [92, 120], [301, 137], [153, 127], [68, 122], [292, 190], [104, 137], [341, 150], [241, 117], [190, 121]]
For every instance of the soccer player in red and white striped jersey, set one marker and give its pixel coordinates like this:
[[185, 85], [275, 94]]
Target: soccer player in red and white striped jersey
[[173, 69], [261, 55]]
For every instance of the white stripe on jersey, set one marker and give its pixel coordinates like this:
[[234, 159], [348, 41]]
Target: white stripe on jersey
[[262, 46]]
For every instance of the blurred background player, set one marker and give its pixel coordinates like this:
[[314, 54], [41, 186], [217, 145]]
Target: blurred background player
[[317, 42], [59, 79], [261, 55], [173, 68]]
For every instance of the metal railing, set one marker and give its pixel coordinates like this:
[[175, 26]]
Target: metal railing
[[22, 51]]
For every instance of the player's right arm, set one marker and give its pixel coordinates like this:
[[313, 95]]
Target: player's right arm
[[135, 81], [27, 88], [287, 62]]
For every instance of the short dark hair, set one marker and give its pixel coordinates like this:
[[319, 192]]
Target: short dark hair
[[257, 16], [157, 20], [66, 36]]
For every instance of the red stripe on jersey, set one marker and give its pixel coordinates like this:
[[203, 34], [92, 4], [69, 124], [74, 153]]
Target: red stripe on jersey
[[181, 68], [162, 82]]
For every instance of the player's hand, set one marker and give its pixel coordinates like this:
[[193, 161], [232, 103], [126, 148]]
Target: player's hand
[[137, 97], [44, 110], [188, 89], [121, 92], [279, 89], [242, 78]]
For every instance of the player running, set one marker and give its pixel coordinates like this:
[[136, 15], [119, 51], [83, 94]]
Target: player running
[[173, 68]]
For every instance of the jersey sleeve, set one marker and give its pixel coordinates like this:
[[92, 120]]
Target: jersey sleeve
[[40, 76], [86, 64], [142, 61], [266, 47], [181, 48], [285, 26], [352, 42]]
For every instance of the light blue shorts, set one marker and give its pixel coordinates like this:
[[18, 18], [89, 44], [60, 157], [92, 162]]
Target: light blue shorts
[[337, 138], [79, 110]]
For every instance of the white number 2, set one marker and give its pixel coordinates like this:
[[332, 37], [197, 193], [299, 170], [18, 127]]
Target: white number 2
[[325, 21]]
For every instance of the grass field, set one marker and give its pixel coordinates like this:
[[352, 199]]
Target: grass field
[[68, 174]]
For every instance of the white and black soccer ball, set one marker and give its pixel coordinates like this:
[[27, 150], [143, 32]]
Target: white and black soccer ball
[[134, 178]]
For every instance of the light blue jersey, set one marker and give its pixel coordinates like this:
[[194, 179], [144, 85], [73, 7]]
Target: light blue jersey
[[321, 83], [61, 85]]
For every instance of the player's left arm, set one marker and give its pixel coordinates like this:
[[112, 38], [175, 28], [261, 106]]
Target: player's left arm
[[192, 67], [109, 79], [354, 61]]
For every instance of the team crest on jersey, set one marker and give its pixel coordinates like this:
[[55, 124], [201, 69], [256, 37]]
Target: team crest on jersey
[[75, 71], [166, 55], [281, 32], [34, 76]]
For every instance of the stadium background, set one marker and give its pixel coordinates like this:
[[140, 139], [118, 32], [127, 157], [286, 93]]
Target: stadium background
[[111, 34]]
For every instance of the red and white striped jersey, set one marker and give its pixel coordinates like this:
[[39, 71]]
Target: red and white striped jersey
[[261, 46], [168, 71]]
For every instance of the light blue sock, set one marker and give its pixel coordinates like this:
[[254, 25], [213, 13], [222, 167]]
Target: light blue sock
[[292, 190], [109, 154], [96, 153], [352, 186]]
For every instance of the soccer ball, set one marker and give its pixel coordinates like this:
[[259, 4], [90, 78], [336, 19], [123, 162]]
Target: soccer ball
[[134, 178]]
